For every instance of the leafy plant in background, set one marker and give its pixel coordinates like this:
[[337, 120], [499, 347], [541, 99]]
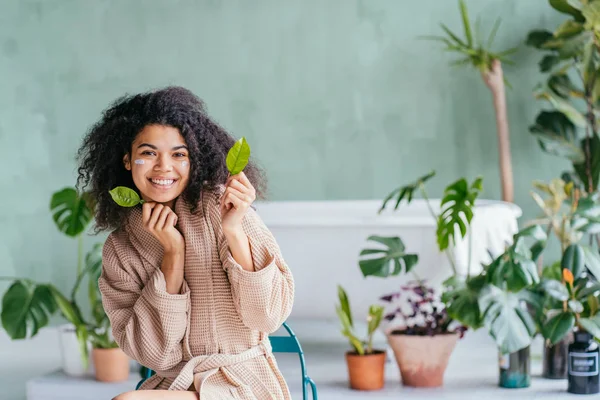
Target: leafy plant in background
[[361, 347], [27, 305], [570, 287], [477, 53], [572, 62], [495, 297]]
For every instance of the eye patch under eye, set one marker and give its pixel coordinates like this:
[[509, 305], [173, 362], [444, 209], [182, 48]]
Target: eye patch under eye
[[139, 161], [185, 163]]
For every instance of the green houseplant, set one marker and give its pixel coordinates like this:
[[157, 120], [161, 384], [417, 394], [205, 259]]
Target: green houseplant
[[572, 88], [476, 51], [572, 216], [454, 218], [28, 305], [496, 296], [365, 364]]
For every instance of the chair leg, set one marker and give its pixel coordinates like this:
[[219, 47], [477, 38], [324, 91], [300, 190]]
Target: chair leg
[[313, 387]]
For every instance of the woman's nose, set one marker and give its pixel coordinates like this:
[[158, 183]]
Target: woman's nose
[[164, 163]]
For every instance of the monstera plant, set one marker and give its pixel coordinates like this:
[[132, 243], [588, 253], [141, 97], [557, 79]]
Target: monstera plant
[[569, 129], [28, 305]]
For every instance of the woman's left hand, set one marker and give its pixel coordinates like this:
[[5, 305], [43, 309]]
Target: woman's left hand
[[239, 195]]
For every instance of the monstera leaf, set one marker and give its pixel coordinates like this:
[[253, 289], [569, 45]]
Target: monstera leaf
[[457, 210], [26, 308], [462, 300], [515, 269], [386, 262], [406, 192], [506, 318], [71, 211]]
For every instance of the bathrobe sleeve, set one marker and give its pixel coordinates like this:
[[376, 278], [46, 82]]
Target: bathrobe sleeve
[[147, 322], [264, 297]]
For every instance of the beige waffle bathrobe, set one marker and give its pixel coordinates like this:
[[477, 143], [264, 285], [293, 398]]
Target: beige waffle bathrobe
[[213, 337]]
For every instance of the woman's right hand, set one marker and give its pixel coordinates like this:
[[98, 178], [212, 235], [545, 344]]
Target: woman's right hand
[[160, 221]]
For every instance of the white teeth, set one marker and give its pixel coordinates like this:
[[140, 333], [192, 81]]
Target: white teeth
[[164, 182]]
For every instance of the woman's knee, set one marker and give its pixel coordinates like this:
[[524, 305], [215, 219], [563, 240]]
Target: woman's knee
[[132, 395]]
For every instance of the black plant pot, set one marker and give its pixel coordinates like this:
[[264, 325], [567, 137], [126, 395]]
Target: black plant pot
[[583, 365], [556, 357], [515, 369]]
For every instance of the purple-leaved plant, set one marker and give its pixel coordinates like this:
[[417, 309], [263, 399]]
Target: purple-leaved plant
[[416, 310]]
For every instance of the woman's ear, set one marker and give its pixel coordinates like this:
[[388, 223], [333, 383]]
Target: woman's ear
[[127, 162]]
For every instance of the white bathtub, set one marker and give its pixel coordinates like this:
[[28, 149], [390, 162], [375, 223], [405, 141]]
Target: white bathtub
[[321, 242]]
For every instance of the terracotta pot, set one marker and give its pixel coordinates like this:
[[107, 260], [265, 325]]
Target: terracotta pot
[[422, 359], [111, 365], [366, 372]]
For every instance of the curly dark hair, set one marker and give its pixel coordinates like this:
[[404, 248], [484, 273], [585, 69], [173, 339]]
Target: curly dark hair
[[100, 156]]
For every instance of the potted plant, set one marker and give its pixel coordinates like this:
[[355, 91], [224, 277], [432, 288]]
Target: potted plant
[[421, 334], [28, 305], [476, 52], [495, 297], [365, 364], [571, 215]]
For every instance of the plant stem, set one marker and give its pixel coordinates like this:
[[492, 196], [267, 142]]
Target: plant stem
[[435, 218], [590, 126], [79, 254], [499, 98], [469, 253]]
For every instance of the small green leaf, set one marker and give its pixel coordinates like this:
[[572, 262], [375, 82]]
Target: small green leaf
[[406, 192], [573, 260], [466, 24], [238, 156], [345, 305], [575, 306], [592, 261], [548, 62], [125, 197], [556, 289], [557, 135], [538, 38], [568, 29], [591, 325], [565, 7], [558, 327]]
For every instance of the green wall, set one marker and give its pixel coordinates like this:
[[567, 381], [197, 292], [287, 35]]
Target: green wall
[[338, 98]]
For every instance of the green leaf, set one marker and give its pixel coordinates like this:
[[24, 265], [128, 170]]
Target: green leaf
[[552, 271], [568, 28], [591, 13], [592, 261], [555, 289], [125, 197], [68, 309], [591, 325], [556, 135], [575, 306], [566, 108], [593, 304], [345, 305], [391, 260], [573, 259], [457, 210], [548, 62], [70, 211], [462, 305], [82, 339], [466, 24], [580, 168], [508, 322], [561, 85], [574, 46], [558, 327], [538, 38], [374, 319], [238, 156], [564, 7], [26, 308], [406, 192], [589, 289]]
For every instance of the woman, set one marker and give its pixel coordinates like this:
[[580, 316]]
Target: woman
[[192, 281]]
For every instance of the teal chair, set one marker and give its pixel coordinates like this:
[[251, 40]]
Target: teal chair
[[280, 344]]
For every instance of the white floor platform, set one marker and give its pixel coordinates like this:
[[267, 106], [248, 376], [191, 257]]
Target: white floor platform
[[472, 374]]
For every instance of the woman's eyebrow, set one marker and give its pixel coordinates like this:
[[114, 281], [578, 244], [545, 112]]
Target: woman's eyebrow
[[180, 147], [148, 145]]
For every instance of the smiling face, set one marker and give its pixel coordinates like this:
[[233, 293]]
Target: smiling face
[[159, 164]]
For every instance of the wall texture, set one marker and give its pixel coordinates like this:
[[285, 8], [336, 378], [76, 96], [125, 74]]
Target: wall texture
[[339, 98]]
